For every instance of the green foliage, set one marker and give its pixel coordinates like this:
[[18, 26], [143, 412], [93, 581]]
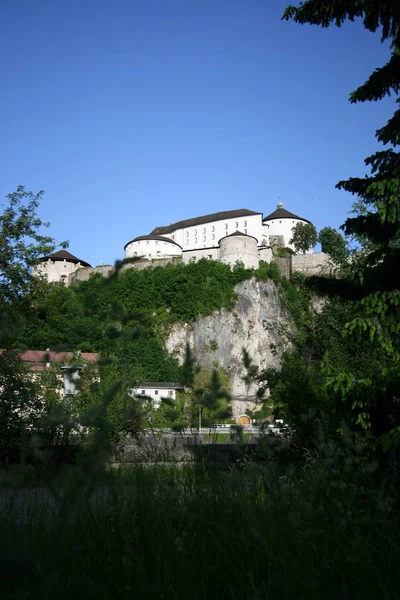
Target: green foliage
[[372, 277], [334, 244], [283, 252], [304, 237], [21, 244], [20, 408]]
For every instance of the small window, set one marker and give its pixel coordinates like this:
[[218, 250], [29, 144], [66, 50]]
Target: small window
[[213, 236], [226, 225], [158, 252], [195, 240], [213, 228], [210, 256], [170, 392], [147, 242], [187, 234], [204, 238], [204, 229], [245, 230], [245, 223], [143, 392], [156, 392], [138, 243], [226, 233], [236, 224], [156, 243], [195, 232]]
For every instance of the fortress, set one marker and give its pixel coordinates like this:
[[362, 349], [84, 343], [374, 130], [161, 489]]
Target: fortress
[[229, 236]]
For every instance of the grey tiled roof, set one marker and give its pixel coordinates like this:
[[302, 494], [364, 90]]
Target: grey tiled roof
[[219, 216], [282, 213], [153, 237], [64, 255]]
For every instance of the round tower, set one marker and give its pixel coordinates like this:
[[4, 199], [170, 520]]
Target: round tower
[[239, 247], [277, 227], [150, 247], [59, 266]]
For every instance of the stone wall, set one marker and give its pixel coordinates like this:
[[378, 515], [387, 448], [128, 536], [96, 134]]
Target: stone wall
[[84, 273], [316, 263]]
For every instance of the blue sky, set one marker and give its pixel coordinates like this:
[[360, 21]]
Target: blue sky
[[137, 113]]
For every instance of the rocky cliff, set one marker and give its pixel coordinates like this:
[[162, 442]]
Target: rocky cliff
[[218, 339]]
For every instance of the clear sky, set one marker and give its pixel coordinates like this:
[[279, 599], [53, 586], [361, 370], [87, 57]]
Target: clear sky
[[137, 113]]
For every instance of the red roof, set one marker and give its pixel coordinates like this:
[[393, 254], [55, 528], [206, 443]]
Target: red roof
[[39, 358]]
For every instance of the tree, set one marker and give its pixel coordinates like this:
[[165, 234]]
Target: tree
[[20, 407], [21, 243], [374, 279], [304, 237], [333, 243]]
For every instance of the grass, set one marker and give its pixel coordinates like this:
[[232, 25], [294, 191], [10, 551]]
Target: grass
[[325, 530]]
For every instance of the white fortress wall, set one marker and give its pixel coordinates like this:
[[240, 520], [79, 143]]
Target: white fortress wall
[[207, 235], [151, 248], [281, 227], [56, 270], [241, 248]]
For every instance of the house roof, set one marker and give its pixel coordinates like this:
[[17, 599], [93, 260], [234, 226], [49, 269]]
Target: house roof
[[282, 213], [160, 385], [153, 237], [218, 216], [65, 255], [38, 359]]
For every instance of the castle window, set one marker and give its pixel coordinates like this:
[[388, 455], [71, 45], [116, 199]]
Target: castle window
[[213, 236], [245, 230], [204, 229], [156, 392], [236, 224], [210, 256], [213, 228], [156, 243], [187, 234], [147, 242], [143, 392], [195, 240], [245, 223], [204, 238], [226, 225], [195, 232], [158, 252]]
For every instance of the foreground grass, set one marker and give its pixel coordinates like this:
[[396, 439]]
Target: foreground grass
[[318, 532]]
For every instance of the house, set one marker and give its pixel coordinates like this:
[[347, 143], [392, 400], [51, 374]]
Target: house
[[157, 390]]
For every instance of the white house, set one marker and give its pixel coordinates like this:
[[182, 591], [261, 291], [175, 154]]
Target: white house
[[157, 390]]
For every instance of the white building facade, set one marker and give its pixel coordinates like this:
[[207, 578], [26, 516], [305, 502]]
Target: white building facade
[[202, 237], [156, 391], [151, 247], [277, 227], [59, 266]]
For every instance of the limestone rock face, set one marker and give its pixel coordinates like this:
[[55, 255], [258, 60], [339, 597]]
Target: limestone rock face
[[218, 339]]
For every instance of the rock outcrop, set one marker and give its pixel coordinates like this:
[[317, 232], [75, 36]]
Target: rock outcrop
[[217, 340]]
